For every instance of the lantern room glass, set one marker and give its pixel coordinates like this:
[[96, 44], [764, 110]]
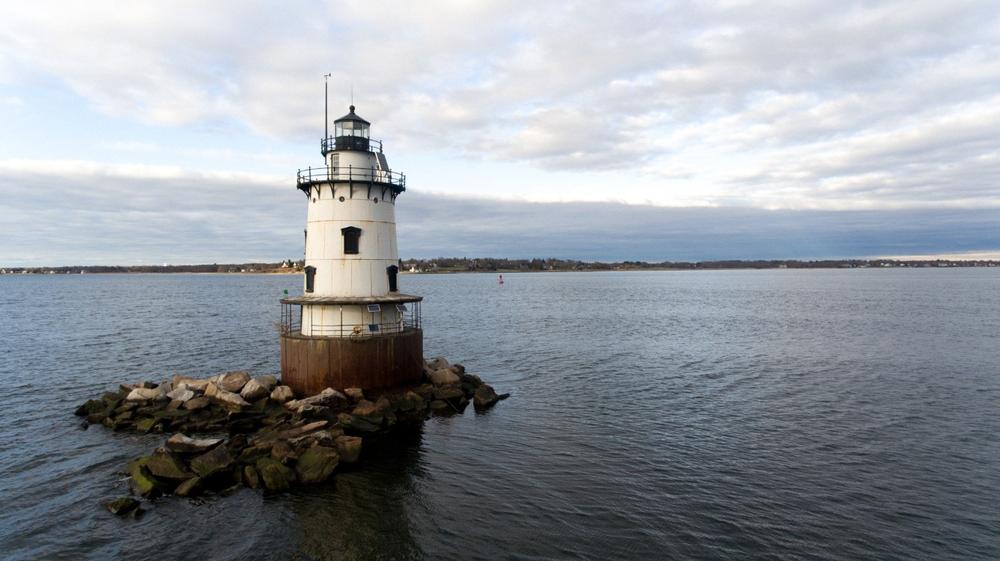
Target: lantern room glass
[[351, 128]]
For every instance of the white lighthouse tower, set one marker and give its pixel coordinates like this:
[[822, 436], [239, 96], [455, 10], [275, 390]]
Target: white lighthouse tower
[[351, 327]]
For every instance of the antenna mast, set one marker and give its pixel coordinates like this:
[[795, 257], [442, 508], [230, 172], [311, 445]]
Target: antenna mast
[[326, 106]]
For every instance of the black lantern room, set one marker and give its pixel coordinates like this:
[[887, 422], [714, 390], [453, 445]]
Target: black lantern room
[[351, 132]]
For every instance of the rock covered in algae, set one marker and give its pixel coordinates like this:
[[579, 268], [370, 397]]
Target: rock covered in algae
[[316, 464], [215, 460], [275, 475], [167, 466], [122, 506]]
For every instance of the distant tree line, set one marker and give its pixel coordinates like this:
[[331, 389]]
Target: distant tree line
[[495, 264]]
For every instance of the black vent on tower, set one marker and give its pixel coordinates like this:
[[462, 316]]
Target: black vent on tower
[[392, 271], [310, 278]]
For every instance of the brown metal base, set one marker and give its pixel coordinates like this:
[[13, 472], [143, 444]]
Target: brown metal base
[[311, 364]]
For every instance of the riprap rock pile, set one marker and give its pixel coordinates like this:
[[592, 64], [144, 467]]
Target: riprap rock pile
[[233, 430]]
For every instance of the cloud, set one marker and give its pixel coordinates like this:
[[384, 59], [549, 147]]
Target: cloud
[[77, 213], [811, 104]]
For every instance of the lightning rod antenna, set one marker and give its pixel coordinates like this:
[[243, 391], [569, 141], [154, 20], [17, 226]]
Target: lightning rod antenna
[[326, 106]]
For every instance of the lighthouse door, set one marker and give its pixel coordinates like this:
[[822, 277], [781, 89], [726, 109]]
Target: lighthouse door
[[392, 270]]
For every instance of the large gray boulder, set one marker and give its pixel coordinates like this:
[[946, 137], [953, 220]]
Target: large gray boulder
[[197, 403], [349, 448], [444, 377], [145, 394], [198, 386], [230, 400], [356, 394], [254, 390], [167, 466], [411, 402], [282, 394], [233, 381], [215, 460], [437, 363], [185, 444], [371, 412], [485, 397], [181, 394], [326, 398], [268, 381], [275, 475]]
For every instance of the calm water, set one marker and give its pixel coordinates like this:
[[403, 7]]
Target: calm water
[[697, 415]]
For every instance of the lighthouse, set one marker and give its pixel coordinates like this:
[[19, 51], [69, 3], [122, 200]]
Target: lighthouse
[[352, 327]]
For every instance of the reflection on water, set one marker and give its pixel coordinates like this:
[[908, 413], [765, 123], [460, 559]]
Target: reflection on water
[[365, 513]]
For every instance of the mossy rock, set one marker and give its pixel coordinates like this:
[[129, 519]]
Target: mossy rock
[[215, 460], [91, 407], [251, 454], [452, 394], [316, 464], [171, 414], [250, 477], [127, 406], [122, 506], [167, 466], [143, 483], [145, 425], [189, 488], [356, 424], [275, 475]]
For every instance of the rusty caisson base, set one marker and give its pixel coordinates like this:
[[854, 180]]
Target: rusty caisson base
[[311, 364]]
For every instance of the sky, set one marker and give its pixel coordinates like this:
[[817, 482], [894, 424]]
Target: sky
[[141, 132]]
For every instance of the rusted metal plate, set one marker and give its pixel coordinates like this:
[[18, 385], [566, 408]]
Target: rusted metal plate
[[311, 364]]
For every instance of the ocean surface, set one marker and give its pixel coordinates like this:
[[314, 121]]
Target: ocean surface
[[780, 414]]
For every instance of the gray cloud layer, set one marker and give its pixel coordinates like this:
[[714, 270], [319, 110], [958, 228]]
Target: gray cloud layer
[[808, 104], [129, 216]]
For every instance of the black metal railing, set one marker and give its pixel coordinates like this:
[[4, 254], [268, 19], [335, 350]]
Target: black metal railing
[[331, 143], [407, 316], [352, 173]]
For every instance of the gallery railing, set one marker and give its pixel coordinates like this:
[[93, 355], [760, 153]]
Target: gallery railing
[[310, 176], [375, 323], [331, 143]]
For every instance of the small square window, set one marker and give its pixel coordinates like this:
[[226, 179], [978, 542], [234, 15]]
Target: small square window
[[351, 235]]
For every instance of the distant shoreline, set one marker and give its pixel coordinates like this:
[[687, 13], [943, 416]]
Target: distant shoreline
[[501, 266]]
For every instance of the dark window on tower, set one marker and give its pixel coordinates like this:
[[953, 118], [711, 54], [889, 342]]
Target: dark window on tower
[[392, 270], [310, 278], [351, 235]]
